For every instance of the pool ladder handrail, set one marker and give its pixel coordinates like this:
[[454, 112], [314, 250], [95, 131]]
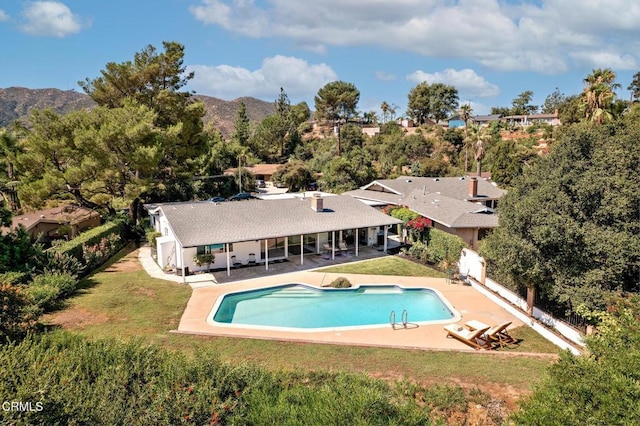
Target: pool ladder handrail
[[404, 318]]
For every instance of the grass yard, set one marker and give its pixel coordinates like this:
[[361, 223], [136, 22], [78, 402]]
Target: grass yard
[[390, 265], [123, 301]]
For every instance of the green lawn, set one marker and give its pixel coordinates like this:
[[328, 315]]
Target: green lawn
[[133, 305], [391, 265]]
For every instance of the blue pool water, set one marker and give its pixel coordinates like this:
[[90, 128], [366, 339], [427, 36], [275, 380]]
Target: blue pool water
[[301, 306]]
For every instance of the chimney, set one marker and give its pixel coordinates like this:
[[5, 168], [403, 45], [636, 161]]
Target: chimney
[[473, 187], [316, 203]]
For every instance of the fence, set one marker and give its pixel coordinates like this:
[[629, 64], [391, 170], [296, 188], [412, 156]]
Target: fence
[[473, 266]]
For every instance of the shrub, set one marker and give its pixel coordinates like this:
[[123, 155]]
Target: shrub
[[15, 317], [418, 251], [49, 289], [151, 236], [63, 263], [89, 238], [204, 259], [340, 282], [444, 247]]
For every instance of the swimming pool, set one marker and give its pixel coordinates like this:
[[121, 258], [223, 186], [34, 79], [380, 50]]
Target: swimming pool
[[307, 308]]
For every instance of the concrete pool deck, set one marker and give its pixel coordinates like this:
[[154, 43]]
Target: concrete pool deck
[[468, 302]]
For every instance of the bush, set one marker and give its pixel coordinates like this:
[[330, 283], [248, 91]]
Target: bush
[[151, 236], [444, 247], [15, 317], [418, 251], [63, 263], [92, 237], [340, 282], [48, 290]]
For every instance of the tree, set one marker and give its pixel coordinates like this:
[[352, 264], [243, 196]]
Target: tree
[[553, 102], [241, 130], [436, 101], [599, 387], [521, 104], [337, 102], [634, 87], [10, 147], [153, 79], [294, 174], [569, 227], [598, 95], [102, 158], [384, 107]]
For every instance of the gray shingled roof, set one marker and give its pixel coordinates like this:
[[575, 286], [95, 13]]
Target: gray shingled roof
[[443, 200], [196, 224], [453, 187]]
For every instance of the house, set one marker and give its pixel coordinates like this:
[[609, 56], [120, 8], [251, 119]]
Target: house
[[60, 222], [260, 171], [485, 120], [263, 231], [463, 206], [528, 120]]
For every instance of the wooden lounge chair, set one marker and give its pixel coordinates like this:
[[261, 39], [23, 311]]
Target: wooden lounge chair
[[497, 333], [472, 338]]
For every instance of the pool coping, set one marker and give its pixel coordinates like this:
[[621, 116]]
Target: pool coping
[[468, 302]]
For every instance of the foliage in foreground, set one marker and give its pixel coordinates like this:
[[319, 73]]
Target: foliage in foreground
[[79, 381], [602, 387]]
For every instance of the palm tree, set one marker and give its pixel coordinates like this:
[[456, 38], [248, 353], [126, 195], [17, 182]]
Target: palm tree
[[385, 111], [465, 115], [598, 95]]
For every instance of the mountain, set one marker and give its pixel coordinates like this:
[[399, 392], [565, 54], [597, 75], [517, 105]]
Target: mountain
[[17, 102]]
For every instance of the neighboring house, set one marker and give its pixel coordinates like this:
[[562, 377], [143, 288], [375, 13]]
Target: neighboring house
[[485, 120], [528, 120], [59, 222], [260, 171], [371, 131], [261, 231], [463, 206]]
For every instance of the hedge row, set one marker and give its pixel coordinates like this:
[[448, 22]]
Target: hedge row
[[444, 247], [75, 246]]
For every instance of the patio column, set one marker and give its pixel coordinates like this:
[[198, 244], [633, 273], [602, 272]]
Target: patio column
[[266, 254], [357, 241], [386, 233], [317, 243], [183, 264], [301, 249], [333, 245], [226, 250], [286, 247]]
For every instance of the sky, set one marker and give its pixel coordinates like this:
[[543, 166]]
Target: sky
[[490, 50]]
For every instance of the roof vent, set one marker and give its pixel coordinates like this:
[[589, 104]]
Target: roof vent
[[409, 181], [436, 180]]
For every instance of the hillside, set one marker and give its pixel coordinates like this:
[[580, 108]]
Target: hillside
[[17, 102]]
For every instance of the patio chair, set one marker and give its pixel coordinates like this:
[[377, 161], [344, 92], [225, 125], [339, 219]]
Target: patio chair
[[497, 333], [343, 248], [235, 262], [473, 338], [252, 259]]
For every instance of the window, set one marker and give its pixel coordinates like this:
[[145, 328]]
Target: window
[[213, 248]]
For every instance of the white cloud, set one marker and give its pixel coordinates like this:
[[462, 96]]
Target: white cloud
[[50, 18], [607, 59], [468, 83], [299, 79], [533, 35], [384, 76], [3, 16]]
